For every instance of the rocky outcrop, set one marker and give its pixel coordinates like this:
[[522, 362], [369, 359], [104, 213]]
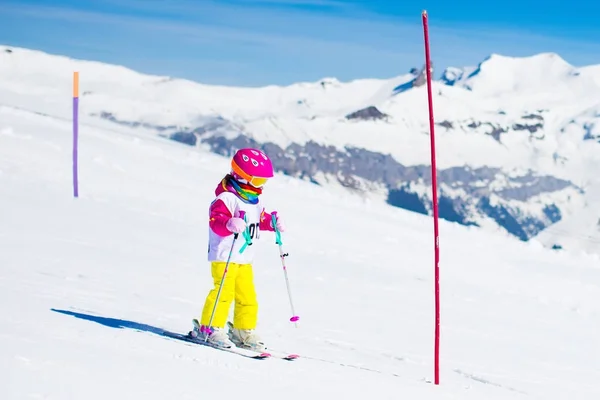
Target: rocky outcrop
[[531, 123], [367, 114], [467, 196], [420, 79], [522, 203], [589, 135]]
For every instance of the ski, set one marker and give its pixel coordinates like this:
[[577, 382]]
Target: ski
[[277, 354], [235, 350], [280, 354], [284, 356]]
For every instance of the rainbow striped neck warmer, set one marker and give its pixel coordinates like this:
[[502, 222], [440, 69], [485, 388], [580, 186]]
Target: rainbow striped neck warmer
[[247, 193]]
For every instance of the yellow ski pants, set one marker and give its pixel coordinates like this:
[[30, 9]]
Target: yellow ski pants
[[238, 285]]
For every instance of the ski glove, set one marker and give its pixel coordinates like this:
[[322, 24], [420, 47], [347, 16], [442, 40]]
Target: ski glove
[[280, 224], [236, 225]]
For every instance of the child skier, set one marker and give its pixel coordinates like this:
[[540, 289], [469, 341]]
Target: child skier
[[236, 218]]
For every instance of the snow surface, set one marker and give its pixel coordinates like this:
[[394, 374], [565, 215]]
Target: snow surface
[[85, 283]]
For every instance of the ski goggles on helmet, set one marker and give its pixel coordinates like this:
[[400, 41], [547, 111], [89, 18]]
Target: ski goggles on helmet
[[258, 182], [255, 181]]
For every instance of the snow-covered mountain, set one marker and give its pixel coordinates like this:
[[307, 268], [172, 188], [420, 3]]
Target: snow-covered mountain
[[517, 137]]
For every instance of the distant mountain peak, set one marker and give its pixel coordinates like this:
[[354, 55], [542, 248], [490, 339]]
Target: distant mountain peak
[[499, 74]]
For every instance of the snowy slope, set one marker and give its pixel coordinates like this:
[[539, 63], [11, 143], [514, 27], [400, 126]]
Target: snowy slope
[[540, 75], [86, 283], [593, 72], [317, 109], [504, 122]]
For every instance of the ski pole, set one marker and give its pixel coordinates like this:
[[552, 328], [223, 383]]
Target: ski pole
[[283, 255], [212, 315]]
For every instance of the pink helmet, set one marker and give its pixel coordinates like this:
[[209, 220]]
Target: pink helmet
[[253, 166]]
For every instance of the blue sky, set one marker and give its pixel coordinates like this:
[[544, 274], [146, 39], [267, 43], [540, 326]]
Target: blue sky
[[251, 43]]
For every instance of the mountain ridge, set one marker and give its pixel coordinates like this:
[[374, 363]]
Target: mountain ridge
[[369, 135]]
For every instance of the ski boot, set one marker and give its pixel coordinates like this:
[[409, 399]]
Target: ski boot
[[245, 338], [214, 336]]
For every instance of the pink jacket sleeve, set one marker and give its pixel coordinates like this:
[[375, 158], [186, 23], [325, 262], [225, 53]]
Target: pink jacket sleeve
[[219, 215], [266, 221]]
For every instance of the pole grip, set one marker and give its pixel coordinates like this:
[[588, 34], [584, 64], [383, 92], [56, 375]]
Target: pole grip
[[274, 225]]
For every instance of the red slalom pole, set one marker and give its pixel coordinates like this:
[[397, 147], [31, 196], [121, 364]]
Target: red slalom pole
[[434, 201]]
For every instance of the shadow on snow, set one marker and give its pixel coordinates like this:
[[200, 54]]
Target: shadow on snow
[[125, 324]]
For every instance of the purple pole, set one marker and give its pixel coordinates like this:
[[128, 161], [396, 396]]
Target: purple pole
[[75, 131]]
